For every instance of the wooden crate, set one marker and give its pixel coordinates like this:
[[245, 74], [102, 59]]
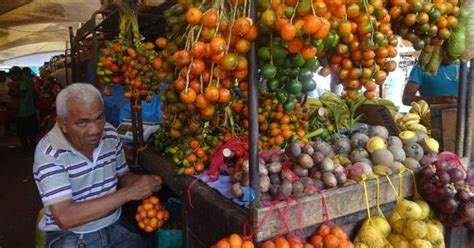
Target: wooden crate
[[342, 202]]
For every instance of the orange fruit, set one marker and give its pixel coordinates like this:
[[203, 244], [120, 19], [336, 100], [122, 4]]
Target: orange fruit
[[193, 15], [317, 241], [147, 206], [247, 244], [223, 243], [235, 241], [281, 242], [154, 200], [339, 232], [331, 241], [268, 244]]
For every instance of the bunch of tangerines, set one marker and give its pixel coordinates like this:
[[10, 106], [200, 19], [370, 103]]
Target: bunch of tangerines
[[326, 237], [151, 215]]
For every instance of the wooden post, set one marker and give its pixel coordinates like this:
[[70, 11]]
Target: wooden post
[[461, 114]]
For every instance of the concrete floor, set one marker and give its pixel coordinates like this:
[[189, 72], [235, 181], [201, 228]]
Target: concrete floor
[[19, 199]]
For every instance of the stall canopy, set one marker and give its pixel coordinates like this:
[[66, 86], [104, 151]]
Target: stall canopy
[[38, 26]]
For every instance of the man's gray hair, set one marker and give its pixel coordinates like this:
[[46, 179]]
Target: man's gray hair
[[82, 92]]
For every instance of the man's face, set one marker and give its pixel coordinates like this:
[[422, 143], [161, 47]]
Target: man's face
[[84, 125]]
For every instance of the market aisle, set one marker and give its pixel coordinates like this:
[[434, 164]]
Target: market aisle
[[18, 196]]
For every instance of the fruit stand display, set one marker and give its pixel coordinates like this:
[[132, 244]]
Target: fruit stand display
[[233, 77]]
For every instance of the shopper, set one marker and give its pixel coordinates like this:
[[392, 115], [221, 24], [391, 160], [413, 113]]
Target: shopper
[[27, 122], [83, 178], [441, 88], [4, 97]]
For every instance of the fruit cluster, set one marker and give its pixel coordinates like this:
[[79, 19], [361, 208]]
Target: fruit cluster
[[151, 215], [443, 185]]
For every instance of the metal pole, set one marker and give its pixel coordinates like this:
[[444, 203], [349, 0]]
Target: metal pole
[[469, 114], [461, 113], [253, 120]]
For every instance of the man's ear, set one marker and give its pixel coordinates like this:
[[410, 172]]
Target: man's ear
[[61, 123]]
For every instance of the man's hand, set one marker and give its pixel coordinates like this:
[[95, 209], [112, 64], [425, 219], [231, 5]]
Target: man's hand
[[143, 187]]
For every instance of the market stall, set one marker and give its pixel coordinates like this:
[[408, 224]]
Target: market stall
[[249, 154]]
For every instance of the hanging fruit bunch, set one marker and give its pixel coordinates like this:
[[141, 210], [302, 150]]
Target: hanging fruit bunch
[[205, 66], [362, 57], [130, 62], [151, 215], [292, 36], [428, 26]]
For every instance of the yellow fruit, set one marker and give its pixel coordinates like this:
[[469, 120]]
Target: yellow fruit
[[420, 243], [425, 208], [382, 224], [430, 145], [370, 236], [415, 229], [408, 137], [398, 241], [394, 217], [434, 235], [408, 209], [399, 225], [376, 143]]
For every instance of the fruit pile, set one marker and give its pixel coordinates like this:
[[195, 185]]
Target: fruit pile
[[443, 184], [411, 226], [151, 215], [131, 63], [233, 241], [331, 236]]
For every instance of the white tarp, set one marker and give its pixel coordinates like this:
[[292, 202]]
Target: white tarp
[[41, 26]]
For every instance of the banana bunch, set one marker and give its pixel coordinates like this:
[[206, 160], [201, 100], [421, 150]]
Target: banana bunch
[[409, 122], [422, 109]]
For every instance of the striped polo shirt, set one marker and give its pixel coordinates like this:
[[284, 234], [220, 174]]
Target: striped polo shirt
[[61, 173]]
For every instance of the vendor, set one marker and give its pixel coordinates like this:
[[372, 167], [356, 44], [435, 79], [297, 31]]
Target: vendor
[[441, 88], [83, 178]]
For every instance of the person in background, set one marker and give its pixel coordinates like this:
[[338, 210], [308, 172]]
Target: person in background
[[4, 89], [83, 177], [441, 88], [14, 74], [27, 123]]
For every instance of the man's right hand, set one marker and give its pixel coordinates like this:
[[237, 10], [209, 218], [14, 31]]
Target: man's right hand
[[143, 187]]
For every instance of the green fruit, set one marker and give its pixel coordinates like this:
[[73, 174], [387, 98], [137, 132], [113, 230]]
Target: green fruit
[[281, 96], [309, 85], [289, 106], [268, 71], [262, 28], [284, 71], [435, 14], [304, 7], [289, 11], [263, 4], [312, 64], [305, 74], [332, 39], [294, 72], [279, 52], [273, 84], [298, 60], [294, 86], [264, 53]]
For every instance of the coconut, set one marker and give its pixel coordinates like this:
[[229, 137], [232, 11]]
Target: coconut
[[396, 166], [414, 150], [358, 153], [420, 135], [394, 141], [378, 131], [408, 137], [382, 157], [398, 153], [359, 140], [411, 163], [430, 145], [342, 146]]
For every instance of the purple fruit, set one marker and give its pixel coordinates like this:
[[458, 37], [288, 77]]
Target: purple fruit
[[428, 171], [463, 195], [456, 174], [446, 192], [448, 206], [444, 177]]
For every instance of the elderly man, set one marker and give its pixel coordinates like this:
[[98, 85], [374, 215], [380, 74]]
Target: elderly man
[[83, 178]]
